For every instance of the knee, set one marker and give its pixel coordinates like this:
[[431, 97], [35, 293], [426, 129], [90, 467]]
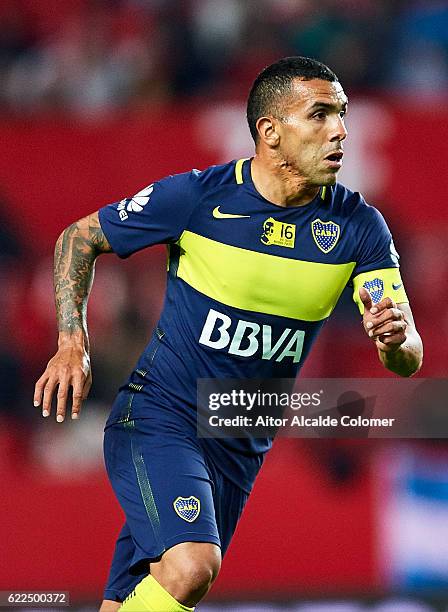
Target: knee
[[196, 577], [188, 576]]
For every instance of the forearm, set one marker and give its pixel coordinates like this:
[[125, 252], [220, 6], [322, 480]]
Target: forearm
[[407, 359], [74, 263]]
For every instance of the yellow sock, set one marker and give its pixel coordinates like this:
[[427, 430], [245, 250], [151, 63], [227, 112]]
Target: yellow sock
[[150, 596]]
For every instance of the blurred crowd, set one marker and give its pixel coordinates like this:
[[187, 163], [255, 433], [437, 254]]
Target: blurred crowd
[[93, 56]]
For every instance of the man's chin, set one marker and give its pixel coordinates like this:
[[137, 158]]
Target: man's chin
[[330, 179]]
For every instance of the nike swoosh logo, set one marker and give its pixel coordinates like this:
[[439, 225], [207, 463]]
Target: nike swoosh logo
[[396, 287], [220, 215]]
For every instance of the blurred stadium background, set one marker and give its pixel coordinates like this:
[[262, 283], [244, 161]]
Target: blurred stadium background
[[98, 98]]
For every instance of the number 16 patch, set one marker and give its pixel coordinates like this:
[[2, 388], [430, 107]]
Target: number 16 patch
[[278, 233]]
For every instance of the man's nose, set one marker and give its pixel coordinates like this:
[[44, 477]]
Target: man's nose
[[339, 132]]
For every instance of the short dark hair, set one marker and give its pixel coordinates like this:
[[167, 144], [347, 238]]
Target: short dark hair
[[274, 82]]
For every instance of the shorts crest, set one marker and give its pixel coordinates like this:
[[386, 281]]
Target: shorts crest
[[188, 508], [325, 234]]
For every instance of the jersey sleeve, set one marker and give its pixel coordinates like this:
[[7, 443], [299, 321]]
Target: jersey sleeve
[[158, 214], [377, 261]]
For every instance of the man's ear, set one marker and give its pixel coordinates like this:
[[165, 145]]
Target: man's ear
[[267, 131]]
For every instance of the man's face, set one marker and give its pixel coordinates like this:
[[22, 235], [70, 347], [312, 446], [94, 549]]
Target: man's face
[[312, 129]]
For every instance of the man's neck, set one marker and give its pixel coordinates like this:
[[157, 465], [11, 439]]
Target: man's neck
[[277, 183]]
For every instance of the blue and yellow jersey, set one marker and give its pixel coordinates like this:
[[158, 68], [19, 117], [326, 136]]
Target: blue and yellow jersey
[[250, 283]]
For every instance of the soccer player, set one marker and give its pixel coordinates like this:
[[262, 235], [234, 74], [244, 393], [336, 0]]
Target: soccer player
[[259, 252]]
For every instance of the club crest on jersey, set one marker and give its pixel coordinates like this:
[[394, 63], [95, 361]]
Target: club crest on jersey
[[188, 508], [278, 233], [325, 234], [376, 289]]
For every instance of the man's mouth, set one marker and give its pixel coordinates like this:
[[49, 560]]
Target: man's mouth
[[335, 158]]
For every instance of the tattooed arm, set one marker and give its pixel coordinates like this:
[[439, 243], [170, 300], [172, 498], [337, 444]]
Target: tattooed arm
[[74, 262]]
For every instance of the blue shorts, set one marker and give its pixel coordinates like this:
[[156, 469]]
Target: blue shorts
[[170, 492]]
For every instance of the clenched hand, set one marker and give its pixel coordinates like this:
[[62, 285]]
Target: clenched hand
[[383, 322]]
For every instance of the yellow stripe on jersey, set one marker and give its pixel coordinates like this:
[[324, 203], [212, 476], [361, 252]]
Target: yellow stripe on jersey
[[239, 171], [323, 192], [392, 285], [260, 282]]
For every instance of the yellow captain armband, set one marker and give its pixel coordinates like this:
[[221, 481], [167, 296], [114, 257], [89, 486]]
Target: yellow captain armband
[[380, 284]]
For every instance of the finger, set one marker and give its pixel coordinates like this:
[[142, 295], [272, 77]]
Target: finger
[[390, 327], [390, 314], [39, 388], [397, 338], [48, 396], [87, 385], [62, 399], [365, 298], [386, 303], [78, 387], [391, 342]]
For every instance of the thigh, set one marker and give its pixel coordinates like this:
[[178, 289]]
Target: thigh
[[120, 582], [164, 487]]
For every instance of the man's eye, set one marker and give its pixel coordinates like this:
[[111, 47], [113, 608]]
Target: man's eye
[[342, 114], [320, 115]]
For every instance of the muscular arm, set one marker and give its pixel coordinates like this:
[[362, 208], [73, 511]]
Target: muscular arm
[[74, 261]]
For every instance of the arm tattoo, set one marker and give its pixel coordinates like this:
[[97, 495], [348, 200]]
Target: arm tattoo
[[74, 262]]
